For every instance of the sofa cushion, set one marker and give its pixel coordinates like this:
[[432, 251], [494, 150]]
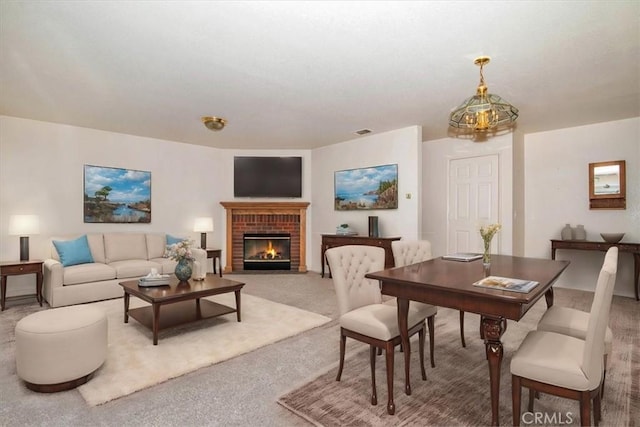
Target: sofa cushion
[[96, 244], [134, 268], [73, 252], [156, 244], [168, 266], [84, 273], [173, 240], [125, 246]]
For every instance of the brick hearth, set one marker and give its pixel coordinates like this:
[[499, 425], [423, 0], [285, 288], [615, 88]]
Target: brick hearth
[[266, 217]]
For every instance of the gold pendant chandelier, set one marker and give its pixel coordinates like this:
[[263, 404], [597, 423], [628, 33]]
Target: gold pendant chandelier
[[483, 113]]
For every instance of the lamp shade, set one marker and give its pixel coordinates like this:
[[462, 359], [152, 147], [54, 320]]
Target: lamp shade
[[203, 225], [23, 225]]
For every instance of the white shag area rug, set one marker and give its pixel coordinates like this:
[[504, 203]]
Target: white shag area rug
[[134, 363]]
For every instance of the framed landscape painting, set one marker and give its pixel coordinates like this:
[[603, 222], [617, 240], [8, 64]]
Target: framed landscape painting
[[369, 188], [116, 195]]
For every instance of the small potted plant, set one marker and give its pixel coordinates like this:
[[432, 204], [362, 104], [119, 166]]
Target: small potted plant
[[343, 229]]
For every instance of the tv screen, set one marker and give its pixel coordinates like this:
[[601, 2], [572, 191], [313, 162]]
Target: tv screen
[[267, 177]]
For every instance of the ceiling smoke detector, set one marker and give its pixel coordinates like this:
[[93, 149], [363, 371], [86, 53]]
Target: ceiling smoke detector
[[362, 131], [214, 123]]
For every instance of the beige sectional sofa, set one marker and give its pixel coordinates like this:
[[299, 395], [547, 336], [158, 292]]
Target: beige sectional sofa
[[117, 257]]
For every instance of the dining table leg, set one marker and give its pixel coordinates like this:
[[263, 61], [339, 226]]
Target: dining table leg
[[548, 296], [493, 328], [403, 324]]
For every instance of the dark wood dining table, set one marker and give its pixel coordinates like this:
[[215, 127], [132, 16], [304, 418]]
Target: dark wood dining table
[[450, 284]]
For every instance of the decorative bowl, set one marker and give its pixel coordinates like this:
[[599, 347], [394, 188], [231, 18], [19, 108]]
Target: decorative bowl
[[612, 237]]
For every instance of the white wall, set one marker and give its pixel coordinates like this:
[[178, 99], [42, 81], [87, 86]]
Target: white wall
[[436, 157], [401, 147], [41, 172], [557, 192]]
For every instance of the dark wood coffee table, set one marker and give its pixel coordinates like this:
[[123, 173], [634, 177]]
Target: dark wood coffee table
[[181, 300]]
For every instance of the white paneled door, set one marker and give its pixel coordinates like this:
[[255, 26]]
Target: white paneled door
[[473, 201]]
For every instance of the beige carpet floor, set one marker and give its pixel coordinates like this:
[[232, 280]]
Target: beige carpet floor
[[457, 389], [134, 363]]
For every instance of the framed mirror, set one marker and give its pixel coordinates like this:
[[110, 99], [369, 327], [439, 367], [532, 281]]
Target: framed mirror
[[607, 185]]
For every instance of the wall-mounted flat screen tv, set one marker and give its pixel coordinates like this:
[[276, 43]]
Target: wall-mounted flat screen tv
[[267, 176]]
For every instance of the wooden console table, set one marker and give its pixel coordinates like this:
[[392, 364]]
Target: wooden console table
[[333, 240], [583, 245]]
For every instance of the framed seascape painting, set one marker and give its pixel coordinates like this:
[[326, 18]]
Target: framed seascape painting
[[116, 195], [374, 187]]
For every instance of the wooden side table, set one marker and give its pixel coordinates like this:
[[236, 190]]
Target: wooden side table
[[18, 268], [215, 254]]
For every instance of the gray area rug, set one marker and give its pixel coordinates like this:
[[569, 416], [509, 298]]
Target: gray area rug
[[457, 389]]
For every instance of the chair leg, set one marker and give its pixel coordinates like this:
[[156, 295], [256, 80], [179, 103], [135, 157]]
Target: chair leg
[[421, 334], [372, 357], [597, 413], [343, 343], [515, 398], [585, 408], [532, 396], [431, 325], [462, 328], [604, 376], [391, 406]]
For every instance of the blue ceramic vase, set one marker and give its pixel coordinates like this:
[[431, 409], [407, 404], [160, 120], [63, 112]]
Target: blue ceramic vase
[[183, 270]]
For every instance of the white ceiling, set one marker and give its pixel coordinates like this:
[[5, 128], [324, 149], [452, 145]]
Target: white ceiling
[[309, 74]]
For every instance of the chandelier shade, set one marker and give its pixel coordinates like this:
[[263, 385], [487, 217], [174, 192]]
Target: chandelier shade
[[483, 112]]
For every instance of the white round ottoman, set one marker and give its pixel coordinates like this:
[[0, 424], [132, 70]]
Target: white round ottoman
[[59, 349]]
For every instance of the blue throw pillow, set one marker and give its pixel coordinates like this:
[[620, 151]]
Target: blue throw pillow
[[173, 240], [73, 252]]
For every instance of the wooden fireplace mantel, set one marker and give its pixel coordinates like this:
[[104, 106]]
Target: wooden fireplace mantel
[[266, 208]]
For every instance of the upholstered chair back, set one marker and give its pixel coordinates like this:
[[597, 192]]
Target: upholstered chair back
[[599, 319], [406, 252], [348, 266]]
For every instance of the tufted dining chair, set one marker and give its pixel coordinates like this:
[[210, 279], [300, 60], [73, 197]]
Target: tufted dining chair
[[574, 322], [363, 315], [406, 252], [566, 366]]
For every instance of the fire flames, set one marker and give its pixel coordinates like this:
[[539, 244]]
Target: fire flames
[[270, 252]]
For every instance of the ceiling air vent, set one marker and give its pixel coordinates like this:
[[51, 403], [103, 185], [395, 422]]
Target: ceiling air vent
[[362, 131]]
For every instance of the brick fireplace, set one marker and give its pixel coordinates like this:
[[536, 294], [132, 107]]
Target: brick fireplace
[[265, 218]]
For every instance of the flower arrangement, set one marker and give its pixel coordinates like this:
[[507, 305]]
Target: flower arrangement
[[487, 233], [180, 251]]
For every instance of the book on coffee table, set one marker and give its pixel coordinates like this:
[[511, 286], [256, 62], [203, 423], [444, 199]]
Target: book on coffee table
[[462, 256], [506, 284]]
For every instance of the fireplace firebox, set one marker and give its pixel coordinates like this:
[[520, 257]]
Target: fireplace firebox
[[267, 251]]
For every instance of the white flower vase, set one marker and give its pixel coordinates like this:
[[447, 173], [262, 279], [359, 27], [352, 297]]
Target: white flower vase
[[486, 258]]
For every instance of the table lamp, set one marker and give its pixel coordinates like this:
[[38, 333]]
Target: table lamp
[[23, 226], [203, 226]]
